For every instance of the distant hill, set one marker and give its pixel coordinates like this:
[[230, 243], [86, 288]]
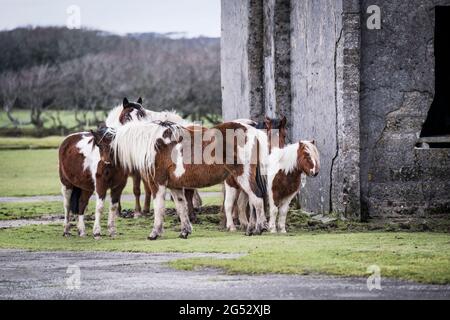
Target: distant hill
[[54, 67]]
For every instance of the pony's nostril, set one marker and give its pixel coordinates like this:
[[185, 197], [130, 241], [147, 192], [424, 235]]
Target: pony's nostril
[[316, 174]]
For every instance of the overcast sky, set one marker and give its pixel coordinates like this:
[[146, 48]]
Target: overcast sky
[[195, 17]]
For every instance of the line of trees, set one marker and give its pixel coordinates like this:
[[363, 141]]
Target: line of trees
[[85, 70]]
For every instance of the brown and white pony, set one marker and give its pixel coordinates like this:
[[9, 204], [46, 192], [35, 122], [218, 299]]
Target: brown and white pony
[[236, 201], [158, 150], [135, 112], [130, 111], [83, 171], [285, 167]]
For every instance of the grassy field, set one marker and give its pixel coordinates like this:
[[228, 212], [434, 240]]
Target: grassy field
[[30, 210], [422, 257], [35, 172], [67, 118], [21, 143]]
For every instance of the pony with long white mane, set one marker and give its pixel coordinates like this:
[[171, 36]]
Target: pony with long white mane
[[158, 151], [130, 111]]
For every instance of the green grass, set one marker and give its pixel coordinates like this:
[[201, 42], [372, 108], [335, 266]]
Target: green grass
[[51, 142], [67, 118], [421, 257], [30, 210], [35, 172], [29, 172]]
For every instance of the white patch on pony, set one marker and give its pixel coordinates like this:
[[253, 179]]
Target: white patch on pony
[[135, 144], [91, 154], [283, 159], [179, 169], [112, 121], [246, 122]]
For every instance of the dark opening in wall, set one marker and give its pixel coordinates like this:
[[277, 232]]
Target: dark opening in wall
[[437, 123]]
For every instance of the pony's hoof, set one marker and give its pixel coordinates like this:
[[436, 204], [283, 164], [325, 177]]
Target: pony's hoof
[[137, 214], [283, 231], [82, 234], [152, 237], [97, 236], [231, 229], [112, 234], [66, 234], [146, 212], [273, 230], [184, 235]]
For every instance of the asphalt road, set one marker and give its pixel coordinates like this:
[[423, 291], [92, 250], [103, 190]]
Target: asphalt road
[[54, 275]]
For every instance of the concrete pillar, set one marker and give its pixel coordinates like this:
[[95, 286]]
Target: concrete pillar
[[325, 99], [241, 59]]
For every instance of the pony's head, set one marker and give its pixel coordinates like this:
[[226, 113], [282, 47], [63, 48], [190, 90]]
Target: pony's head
[[308, 159], [103, 137], [132, 111], [276, 129]]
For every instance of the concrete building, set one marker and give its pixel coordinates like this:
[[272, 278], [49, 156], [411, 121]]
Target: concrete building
[[368, 80]]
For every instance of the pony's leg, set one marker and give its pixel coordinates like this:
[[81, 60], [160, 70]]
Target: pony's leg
[[148, 196], [197, 200], [179, 197], [98, 214], [116, 192], [258, 206], [189, 196], [66, 193], [284, 208], [242, 204], [230, 199], [137, 194], [273, 219], [84, 200], [159, 208]]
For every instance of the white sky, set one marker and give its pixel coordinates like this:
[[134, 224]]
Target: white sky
[[194, 17]]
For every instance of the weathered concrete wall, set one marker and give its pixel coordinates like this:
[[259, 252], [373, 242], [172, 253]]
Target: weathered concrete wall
[[325, 86], [397, 89], [362, 94], [241, 59], [235, 60], [277, 58]]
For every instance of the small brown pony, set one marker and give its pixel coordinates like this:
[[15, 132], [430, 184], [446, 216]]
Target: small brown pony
[[157, 150], [285, 167]]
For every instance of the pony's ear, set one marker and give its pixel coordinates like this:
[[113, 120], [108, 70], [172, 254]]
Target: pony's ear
[[126, 103], [283, 121], [102, 125], [267, 122], [313, 142], [96, 137], [139, 100]]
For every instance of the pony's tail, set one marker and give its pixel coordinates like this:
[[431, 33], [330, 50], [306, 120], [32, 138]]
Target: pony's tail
[[75, 200]]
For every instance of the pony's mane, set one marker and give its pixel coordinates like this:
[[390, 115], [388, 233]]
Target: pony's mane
[[165, 116], [311, 149], [112, 120], [135, 143]]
